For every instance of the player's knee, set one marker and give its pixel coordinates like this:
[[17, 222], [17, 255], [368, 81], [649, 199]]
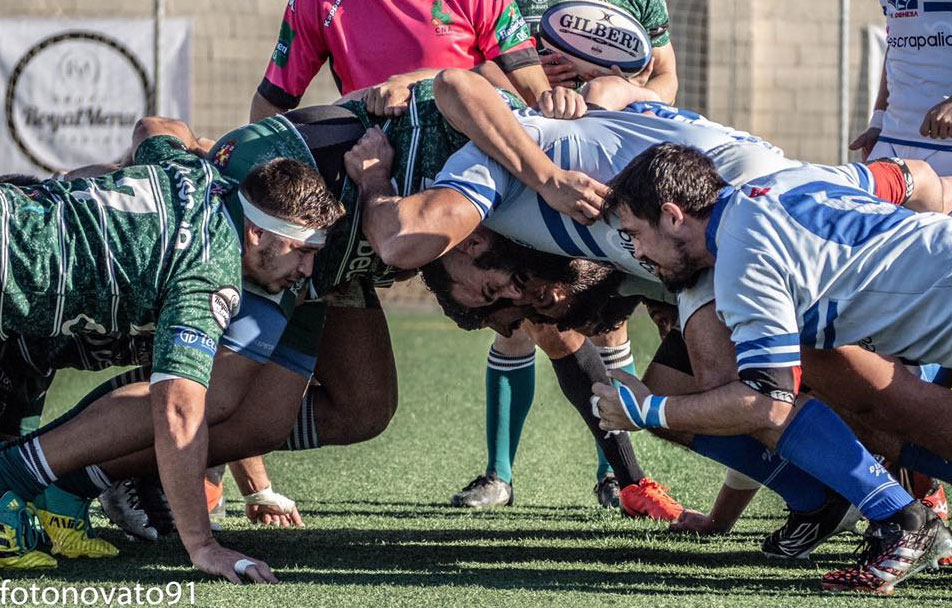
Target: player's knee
[[449, 82]]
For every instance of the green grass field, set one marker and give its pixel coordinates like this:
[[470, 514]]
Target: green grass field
[[379, 532]]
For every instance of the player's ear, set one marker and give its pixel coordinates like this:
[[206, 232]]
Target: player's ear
[[253, 234], [474, 244], [672, 214]]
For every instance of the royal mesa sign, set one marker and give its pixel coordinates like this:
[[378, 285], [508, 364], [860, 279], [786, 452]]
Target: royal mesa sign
[[73, 88]]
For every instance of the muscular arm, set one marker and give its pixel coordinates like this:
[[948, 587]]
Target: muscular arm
[[181, 450], [413, 231], [473, 107], [664, 75], [261, 108], [530, 82]]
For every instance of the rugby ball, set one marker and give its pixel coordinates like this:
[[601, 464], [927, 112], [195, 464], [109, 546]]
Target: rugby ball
[[594, 36]]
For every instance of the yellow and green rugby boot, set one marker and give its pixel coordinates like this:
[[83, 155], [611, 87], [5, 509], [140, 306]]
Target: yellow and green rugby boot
[[65, 519], [18, 537]]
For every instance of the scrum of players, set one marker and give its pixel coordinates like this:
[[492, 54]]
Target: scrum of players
[[239, 277]]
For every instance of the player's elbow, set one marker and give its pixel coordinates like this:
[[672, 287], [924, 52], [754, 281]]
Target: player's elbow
[[401, 252], [451, 83]]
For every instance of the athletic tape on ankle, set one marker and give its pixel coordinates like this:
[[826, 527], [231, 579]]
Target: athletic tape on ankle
[[312, 236], [649, 414], [269, 498]]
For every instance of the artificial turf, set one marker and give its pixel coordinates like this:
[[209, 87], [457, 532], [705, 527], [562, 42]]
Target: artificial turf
[[379, 531]]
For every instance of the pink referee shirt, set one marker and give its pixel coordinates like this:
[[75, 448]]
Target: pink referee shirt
[[367, 41]]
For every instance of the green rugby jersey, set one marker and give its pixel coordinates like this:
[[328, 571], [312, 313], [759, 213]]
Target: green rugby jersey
[[145, 250], [422, 141], [652, 14]]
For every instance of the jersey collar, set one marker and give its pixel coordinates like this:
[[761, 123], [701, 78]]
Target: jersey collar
[[723, 197]]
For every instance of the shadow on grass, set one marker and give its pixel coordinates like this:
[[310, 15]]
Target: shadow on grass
[[530, 555]]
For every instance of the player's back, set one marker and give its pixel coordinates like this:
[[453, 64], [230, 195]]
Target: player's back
[[601, 145], [95, 255], [860, 271]]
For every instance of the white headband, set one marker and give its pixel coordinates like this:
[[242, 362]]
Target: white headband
[[311, 236]]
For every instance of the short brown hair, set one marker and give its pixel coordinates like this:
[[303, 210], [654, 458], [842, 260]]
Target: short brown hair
[[665, 173], [293, 191]]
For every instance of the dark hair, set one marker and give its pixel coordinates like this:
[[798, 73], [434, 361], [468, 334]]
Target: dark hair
[[19, 179], [665, 173], [294, 191]]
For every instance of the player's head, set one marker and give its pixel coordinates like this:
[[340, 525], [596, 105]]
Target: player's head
[[288, 211], [486, 267], [663, 199]]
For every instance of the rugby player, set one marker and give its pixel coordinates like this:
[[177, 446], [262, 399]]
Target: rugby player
[[151, 249], [755, 238]]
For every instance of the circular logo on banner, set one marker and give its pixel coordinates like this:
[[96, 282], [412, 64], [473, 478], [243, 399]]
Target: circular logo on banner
[[73, 99]]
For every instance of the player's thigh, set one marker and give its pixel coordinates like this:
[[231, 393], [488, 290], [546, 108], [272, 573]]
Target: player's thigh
[[878, 387], [355, 362], [233, 375]]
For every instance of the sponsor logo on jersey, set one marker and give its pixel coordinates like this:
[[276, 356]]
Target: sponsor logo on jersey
[[511, 29], [333, 11], [362, 261], [757, 192], [282, 50], [223, 155], [224, 304], [438, 14], [186, 337], [903, 9], [939, 40]]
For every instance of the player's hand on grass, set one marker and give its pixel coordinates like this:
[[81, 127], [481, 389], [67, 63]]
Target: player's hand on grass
[[559, 71], [270, 508], [271, 515], [576, 195], [608, 406], [937, 123], [865, 141], [212, 558], [389, 98], [694, 522], [562, 103], [370, 161]]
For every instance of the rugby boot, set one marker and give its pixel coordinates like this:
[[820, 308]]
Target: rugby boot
[[153, 501], [484, 491], [804, 531], [65, 518], [607, 492], [650, 499], [891, 554], [936, 501], [19, 536], [122, 505]]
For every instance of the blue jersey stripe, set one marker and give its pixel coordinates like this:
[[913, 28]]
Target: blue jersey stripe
[[829, 332], [768, 342], [937, 7], [789, 358], [588, 239], [811, 324], [476, 193], [553, 221]]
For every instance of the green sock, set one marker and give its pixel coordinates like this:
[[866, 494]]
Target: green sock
[[614, 357], [510, 387]]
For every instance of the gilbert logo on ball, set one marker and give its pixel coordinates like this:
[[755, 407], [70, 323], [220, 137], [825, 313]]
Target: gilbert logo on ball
[[594, 36]]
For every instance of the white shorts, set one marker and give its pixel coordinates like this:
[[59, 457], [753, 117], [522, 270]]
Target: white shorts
[[939, 160]]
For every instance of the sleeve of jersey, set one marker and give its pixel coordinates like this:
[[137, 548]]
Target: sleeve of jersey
[[298, 55], [161, 148], [655, 20], [502, 34], [477, 177], [197, 307], [754, 304]]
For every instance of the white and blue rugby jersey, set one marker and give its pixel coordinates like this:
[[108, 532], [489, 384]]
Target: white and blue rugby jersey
[[806, 261], [918, 68], [600, 144]]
